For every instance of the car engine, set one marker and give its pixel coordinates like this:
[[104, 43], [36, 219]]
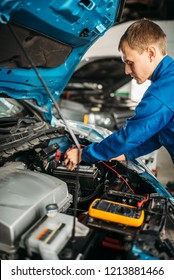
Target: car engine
[[48, 212]]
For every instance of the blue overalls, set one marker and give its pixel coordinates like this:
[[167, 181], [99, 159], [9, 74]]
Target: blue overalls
[[151, 127]]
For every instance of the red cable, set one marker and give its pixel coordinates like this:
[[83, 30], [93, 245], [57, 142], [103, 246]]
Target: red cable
[[118, 175], [112, 170], [140, 204]]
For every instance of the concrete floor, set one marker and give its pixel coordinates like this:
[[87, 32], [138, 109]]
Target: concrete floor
[[165, 167]]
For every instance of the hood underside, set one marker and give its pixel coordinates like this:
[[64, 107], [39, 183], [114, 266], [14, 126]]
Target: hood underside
[[42, 42]]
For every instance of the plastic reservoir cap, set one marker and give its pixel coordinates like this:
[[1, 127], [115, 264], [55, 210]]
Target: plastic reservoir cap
[[51, 209]]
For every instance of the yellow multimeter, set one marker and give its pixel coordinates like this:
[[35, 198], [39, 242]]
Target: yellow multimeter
[[116, 212]]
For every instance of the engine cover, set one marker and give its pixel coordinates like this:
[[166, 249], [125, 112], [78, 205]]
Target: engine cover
[[24, 195]]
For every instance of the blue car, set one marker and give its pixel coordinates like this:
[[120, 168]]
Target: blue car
[[107, 210]]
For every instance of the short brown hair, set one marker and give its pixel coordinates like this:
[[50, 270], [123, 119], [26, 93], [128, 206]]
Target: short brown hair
[[141, 34]]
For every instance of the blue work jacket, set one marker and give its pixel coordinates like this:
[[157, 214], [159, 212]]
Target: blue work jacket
[[151, 127]]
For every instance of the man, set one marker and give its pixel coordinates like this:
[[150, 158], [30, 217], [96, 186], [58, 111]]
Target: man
[[144, 52]]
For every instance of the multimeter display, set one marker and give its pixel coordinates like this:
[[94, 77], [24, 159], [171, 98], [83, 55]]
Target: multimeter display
[[116, 212]]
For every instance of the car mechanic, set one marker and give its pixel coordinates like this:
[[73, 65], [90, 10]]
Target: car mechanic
[[143, 49]]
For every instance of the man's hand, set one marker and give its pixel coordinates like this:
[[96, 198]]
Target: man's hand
[[119, 158], [72, 158]]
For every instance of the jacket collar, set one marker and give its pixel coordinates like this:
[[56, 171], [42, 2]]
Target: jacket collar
[[164, 63]]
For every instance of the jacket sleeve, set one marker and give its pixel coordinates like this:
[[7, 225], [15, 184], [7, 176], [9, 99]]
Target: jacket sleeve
[[151, 115], [147, 147]]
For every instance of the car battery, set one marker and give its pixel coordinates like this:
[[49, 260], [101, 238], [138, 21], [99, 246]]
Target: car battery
[[87, 177]]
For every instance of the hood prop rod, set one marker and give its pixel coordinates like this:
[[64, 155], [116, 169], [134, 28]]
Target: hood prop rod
[[77, 187]]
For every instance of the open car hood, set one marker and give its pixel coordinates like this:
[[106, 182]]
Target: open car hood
[[42, 42]]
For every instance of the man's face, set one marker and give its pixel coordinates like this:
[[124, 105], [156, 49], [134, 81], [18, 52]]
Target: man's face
[[137, 65]]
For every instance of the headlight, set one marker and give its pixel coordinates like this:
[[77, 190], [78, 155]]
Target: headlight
[[100, 119], [91, 132]]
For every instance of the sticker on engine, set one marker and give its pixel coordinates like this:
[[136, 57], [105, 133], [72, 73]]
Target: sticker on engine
[[44, 234], [47, 235]]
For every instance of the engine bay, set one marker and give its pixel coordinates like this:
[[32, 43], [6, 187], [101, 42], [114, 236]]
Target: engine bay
[[49, 212]]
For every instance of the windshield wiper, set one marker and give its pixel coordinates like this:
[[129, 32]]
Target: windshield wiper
[[14, 124], [21, 121]]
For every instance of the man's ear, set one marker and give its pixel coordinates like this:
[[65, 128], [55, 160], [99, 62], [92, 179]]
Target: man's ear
[[151, 52]]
